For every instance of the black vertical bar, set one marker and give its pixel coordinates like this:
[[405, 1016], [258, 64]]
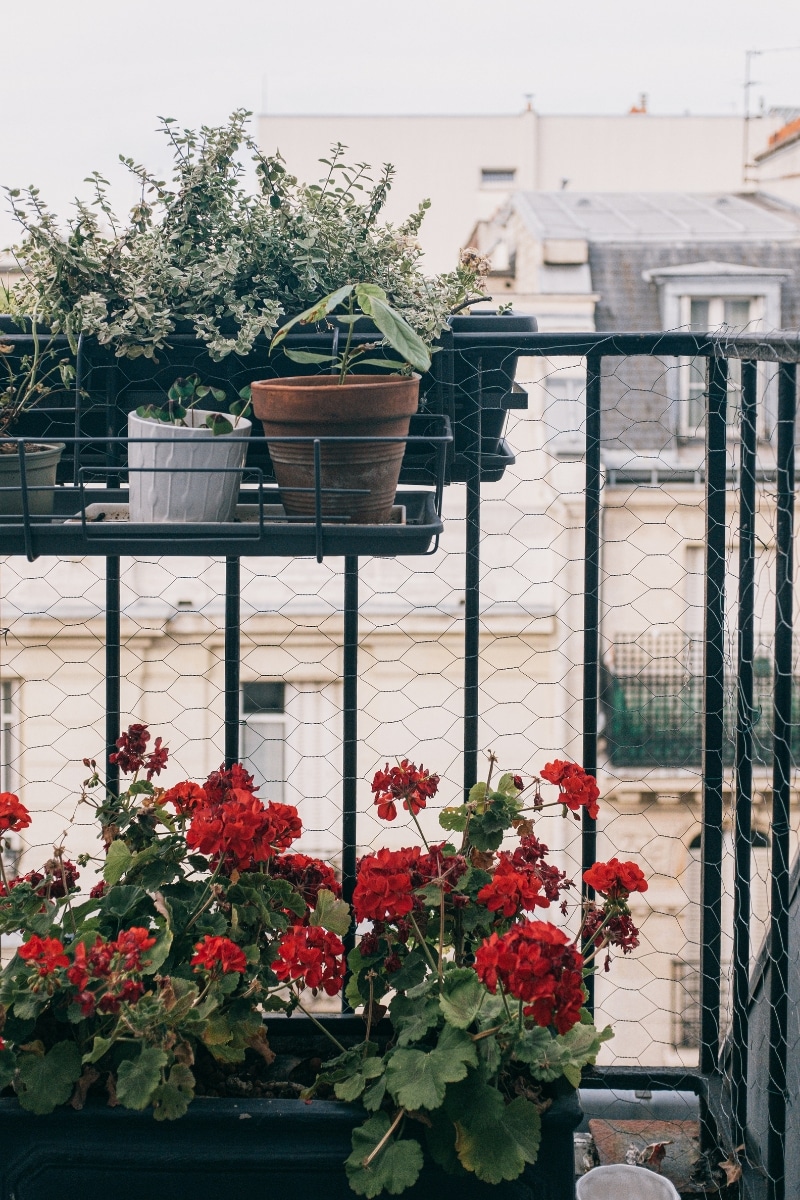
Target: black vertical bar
[[76, 451], [591, 616], [350, 739], [112, 420], [713, 723], [472, 599], [781, 781], [744, 751], [232, 658], [112, 670]]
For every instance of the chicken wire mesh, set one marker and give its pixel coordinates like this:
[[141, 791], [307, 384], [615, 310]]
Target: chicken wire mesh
[[652, 623]]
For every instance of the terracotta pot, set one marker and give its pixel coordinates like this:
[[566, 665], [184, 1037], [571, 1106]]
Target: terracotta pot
[[317, 406]]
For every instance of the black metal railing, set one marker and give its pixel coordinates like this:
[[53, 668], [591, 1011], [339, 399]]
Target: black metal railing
[[644, 726]]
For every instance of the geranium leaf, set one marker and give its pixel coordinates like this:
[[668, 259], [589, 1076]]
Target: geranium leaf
[[413, 1018], [47, 1080], [499, 1149], [330, 913], [418, 1079], [118, 860], [137, 1079], [454, 819], [395, 1168], [461, 997], [172, 1098]]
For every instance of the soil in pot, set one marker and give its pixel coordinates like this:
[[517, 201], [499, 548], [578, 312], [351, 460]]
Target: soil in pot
[[189, 474], [41, 464], [358, 479]]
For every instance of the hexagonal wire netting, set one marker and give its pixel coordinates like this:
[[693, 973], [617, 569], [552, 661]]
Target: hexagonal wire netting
[[653, 594]]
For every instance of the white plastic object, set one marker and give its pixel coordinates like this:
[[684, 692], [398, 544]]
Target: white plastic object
[[620, 1182], [205, 492]]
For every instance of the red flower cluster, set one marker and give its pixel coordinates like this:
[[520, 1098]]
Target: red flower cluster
[[512, 891], [131, 753], [184, 797], [241, 831], [46, 953], [616, 879], [384, 887], [618, 930], [14, 816], [438, 867], [535, 962], [218, 956], [312, 955], [221, 783], [412, 785], [110, 964], [55, 880], [578, 790], [309, 875], [530, 855]]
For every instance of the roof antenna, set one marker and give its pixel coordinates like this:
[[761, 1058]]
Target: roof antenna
[[564, 184], [529, 101]]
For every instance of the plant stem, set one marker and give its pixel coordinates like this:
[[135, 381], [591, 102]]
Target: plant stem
[[322, 1028], [505, 1003], [422, 943], [373, 1154], [419, 829], [441, 934], [346, 354]]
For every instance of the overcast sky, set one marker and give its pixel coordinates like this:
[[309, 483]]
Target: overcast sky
[[83, 81]]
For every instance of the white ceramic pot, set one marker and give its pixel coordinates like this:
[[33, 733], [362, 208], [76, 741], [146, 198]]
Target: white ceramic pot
[[189, 474]]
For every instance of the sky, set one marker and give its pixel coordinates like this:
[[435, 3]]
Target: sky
[[85, 81]]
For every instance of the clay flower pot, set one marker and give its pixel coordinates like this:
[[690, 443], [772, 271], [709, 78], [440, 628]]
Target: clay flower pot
[[372, 406]]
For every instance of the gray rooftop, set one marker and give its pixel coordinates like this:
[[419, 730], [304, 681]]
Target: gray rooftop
[[657, 216]]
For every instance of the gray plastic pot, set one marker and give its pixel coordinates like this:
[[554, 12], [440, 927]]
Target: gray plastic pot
[[41, 464]]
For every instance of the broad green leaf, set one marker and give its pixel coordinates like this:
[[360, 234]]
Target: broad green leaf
[[350, 1089], [307, 356], [157, 955], [399, 334], [461, 997], [172, 1099], [118, 860], [454, 819], [100, 1046], [121, 899], [311, 315], [138, 1078], [477, 794], [373, 1096], [330, 913], [218, 424], [418, 1079], [413, 1018], [499, 1149], [390, 364], [412, 972], [394, 1169], [473, 1100], [366, 292], [506, 786], [45, 1081]]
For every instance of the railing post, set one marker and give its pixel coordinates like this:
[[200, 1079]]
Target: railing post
[[350, 740], [112, 670], [591, 616], [781, 783], [713, 722], [232, 658], [744, 752], [472, 582]]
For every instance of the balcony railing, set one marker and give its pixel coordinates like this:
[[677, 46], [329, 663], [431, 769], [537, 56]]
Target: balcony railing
[[577, 528]]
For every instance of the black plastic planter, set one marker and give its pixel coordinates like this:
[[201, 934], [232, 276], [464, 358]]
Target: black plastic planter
[[275, 1149]]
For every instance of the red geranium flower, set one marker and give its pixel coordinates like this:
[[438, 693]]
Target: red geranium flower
[[131, 748], [309, 875], [512, 890], [412, 785], [13, 814], [440, 868], [131, 945], [47, 953], [184, 796], [616, 879], [578, 790], [535, 962], [219, 955], [384, 888], [312, 955], [241, 831], [156, 760]]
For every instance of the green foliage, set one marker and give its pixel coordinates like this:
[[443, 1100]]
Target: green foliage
[[172, 1098], [185, 394], [418, 1079], [330, 913], [46, 1080], [138, 1078], [395, 1168], [204, 251], [498, 1147], [461, 997]]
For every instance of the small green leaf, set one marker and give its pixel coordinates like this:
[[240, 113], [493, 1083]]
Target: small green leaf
[[100, 1046], [45, 1081], [461, 997], [413, 1018], [218, 424], [172, 1099], [330, 913], [138, 1078], [394, 1169], [118, 860], [390, 364], [311, 315], [307, 356], [477, 794]]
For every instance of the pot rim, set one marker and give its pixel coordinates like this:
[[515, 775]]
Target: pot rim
[[240, 429], [354, 383]]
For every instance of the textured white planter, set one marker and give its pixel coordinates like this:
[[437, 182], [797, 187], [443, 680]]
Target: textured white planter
[[189, 474]]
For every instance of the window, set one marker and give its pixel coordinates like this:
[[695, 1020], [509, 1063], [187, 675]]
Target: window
[[498, 176], [6, 737], [263, 737], [709, 314], [565, 412]]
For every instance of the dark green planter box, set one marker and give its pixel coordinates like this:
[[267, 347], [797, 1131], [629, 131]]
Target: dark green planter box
[[270, 1149]]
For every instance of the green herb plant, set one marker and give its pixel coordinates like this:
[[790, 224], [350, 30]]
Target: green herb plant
[[185, 394]]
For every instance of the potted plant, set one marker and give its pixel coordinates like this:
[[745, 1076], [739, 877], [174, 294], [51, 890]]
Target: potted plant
[[185, 463], [28, 374], [120, 1007], [358, 479]]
